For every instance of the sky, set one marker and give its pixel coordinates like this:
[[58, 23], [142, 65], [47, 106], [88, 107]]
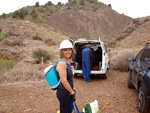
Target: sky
[[131, 8]]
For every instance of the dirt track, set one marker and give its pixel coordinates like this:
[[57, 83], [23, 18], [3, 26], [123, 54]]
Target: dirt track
[[112, 94]]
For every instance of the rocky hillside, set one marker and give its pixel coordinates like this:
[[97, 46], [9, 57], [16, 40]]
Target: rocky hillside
[[88, 20], [22, 39], [104, 22], [137, 35]]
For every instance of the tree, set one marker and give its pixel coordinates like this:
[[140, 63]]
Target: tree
[[37, 4], [109, 5], [3, 15], [59, 3], [49, 3]]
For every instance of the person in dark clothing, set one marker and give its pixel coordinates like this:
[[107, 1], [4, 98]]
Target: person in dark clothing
[[86, 63], [65, 91]]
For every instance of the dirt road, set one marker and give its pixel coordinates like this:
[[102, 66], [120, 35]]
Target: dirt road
[[112, 94]]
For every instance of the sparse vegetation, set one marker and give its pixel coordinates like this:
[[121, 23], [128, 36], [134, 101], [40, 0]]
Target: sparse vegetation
[[120, 38], [95, 8], [37, 38], [3, 15], [2, 35], [41, 9], [46, 15], [36, 20], [20, 14], [81, 2], [14, 42], [111, 45], [51, 11], [6, 65], [50, 42], [109, 5], [39, 53], [34, 14], [129, 30], [135, 21]]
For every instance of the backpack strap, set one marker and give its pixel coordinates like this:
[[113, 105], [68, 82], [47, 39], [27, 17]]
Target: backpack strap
[[61, 60]]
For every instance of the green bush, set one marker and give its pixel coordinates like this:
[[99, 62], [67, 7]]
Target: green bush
[[109, 5], [51, 11], [41, 9], [37, 4], [45, 5], [3, 15], [69, 7], [2, 35], [129, 30], [46, 15], [39, 53], [34, 14], [7, 64], [20, 14], [120, 38], [95, 8], [36, 20], [111, 45]]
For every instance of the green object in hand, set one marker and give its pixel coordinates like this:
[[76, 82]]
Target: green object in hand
[[88, 109]]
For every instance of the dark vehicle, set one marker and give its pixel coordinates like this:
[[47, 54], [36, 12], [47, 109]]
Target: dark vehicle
[[139, 78]]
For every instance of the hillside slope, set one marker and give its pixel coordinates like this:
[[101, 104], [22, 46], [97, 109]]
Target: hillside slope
[[105, 22], [24, 37], [139, 37]]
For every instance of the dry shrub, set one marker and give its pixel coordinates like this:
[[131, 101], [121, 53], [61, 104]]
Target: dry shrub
[[37, 38], [50, 42], [23, 72], [15, 42], [119, 59]]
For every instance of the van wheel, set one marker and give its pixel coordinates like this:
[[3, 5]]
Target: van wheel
[[108, 65], [104, 75], [75, 75]]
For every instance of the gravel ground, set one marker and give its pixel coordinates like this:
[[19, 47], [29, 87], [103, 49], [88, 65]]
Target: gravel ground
[[112, 94]]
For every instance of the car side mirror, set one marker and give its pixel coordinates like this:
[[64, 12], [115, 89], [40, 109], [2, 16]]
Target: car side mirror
[[131, 59]]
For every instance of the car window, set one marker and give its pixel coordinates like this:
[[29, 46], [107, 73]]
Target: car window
[[138, 57], [146, 54]]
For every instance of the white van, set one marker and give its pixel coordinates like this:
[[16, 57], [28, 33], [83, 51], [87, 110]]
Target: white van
[[100, 61]]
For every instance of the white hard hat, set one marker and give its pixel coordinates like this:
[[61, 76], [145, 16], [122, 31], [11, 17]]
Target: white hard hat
[[65, 44]]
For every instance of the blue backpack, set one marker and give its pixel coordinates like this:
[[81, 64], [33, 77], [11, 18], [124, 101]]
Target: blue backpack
[[51, 75]]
